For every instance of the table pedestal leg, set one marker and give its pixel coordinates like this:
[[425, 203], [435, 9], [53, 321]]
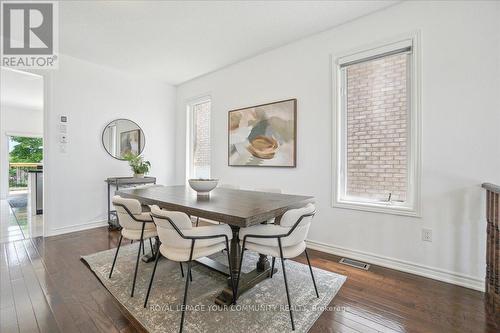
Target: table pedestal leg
[[235, 251], [247, 280]]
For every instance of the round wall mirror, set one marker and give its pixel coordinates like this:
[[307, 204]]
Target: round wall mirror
[[121, 137]]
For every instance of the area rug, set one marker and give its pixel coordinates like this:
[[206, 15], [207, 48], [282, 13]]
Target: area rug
[[261, 309]]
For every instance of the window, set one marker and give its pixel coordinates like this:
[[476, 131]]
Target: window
[[377, 122], [199, 147]]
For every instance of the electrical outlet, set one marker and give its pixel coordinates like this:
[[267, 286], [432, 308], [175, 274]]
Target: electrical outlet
[[427, 235]]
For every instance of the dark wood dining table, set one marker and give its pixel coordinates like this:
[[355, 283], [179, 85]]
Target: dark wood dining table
[[237, 208]]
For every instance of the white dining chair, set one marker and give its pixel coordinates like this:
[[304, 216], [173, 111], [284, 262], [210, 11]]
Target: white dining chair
[[286, 240], [136, 224], [181, 242]]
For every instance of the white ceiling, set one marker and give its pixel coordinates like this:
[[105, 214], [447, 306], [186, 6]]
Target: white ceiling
[[175, 41], [21, 89]]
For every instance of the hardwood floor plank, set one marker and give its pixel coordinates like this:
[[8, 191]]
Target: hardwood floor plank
[[8, 320], [366, 322], [24, 309], [43, 314], [6, 297], [59, 308]]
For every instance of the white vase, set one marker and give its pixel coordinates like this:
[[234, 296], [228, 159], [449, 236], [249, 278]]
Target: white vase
[[138, 175]]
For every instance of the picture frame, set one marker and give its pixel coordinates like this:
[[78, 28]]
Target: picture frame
[[130, 142], [263, 135]]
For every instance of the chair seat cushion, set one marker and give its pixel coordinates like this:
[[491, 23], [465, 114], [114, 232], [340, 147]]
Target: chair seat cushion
[[133, 224], [177, 254], [135, 234], [264, 230], [274, 251], [172, 239]]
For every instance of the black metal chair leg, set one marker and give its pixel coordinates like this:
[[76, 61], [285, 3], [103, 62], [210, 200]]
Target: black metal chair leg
[[272, 267], [286, 284], [151, 246], [235, 294], [131, 241], [197, 220], [190, 276], [182, 269], [158, 255], [187, 284], [142, 244], [136, 267], [185, 296], [116, 255], [312, 275]]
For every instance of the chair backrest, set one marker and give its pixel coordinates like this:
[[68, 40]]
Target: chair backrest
[[230, 186], [291, 217], [166, 232], [135, 208]]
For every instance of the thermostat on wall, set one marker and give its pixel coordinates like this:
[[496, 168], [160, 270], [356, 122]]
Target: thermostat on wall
[[64, 119]]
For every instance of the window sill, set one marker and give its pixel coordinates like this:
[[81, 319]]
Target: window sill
[[377, 208]]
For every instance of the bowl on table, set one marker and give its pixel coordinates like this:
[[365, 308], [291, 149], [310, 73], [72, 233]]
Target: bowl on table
[[203, 186]]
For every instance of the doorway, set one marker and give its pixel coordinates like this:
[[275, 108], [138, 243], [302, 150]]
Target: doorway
[[21, 155]]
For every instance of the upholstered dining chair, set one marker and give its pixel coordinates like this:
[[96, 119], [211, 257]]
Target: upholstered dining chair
[[136, 225], [286, 240], [181, 242]]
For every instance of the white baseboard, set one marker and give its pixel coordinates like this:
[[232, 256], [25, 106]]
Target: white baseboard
[[77, 227], [401, 265]]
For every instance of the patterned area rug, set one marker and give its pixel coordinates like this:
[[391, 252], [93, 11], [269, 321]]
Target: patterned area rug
[[262, 309]]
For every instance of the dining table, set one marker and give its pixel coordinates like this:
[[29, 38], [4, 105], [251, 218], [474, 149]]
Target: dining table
[[235, 207]]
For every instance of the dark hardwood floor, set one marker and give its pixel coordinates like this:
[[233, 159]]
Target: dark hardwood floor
[[45, 287]]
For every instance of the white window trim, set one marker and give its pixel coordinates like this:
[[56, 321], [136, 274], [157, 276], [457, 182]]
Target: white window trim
[[190, 132], [338, 149]]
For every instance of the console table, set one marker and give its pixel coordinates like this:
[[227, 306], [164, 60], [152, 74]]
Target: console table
[[118, 182]]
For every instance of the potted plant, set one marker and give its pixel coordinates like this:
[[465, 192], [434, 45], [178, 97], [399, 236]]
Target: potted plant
[[138, 165]]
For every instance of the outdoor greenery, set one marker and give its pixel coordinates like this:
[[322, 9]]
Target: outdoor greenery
[[137, 163], [27, 150]]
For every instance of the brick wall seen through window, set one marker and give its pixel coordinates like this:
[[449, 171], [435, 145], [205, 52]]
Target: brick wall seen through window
[[377, 128], [201, 140]]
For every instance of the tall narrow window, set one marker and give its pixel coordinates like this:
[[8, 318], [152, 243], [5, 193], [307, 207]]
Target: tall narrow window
[[199, 150], [376, 122]]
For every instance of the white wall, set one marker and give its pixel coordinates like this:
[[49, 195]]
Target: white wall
[[460, 146], [92, 96], [19, 121]]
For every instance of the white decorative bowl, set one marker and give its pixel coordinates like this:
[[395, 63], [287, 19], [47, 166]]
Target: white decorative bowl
[[203, 186]]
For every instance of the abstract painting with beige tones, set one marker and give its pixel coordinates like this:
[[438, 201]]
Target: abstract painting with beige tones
[[263, 135]]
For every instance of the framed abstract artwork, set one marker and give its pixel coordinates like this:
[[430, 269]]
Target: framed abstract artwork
[[263, 135]]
